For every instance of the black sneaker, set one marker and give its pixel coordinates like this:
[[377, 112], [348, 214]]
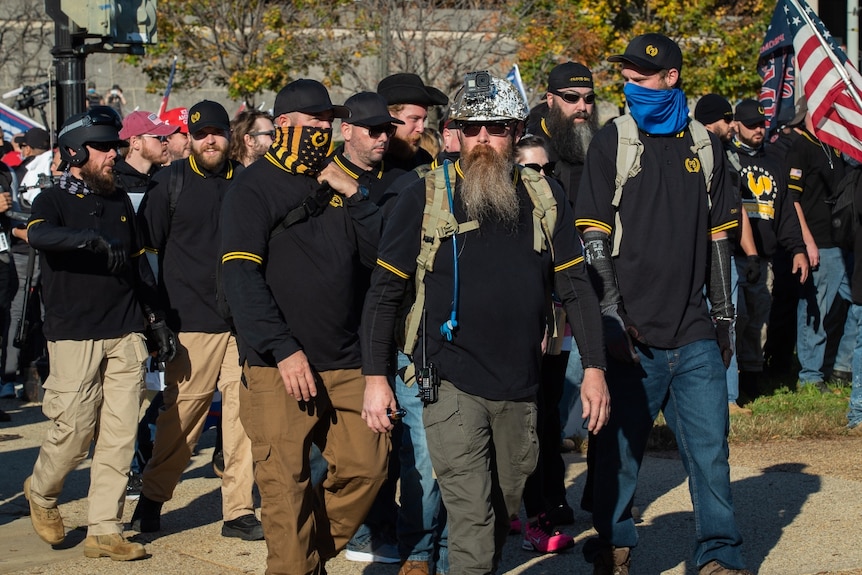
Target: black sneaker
[[561, 515], [145, 519], [134, 486], [218, 463], [246, 527]]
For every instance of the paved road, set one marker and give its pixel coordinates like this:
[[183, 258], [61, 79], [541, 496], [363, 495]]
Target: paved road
[[793, 523]]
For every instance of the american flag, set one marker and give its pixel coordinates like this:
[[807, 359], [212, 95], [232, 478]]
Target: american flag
[[824, 72]]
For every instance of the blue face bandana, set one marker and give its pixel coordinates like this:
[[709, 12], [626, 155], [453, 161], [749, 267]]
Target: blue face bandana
[[658, 112]]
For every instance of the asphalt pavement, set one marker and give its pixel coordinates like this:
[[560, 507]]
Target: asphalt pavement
[[793, 523]]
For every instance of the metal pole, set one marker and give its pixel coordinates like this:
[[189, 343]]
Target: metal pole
[[853, 32], [69, 63]]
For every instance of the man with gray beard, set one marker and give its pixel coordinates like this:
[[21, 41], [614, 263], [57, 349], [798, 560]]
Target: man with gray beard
[[570, 122], [485, 303]]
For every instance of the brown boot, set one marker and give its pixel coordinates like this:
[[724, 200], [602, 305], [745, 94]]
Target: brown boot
[[114, 546], [716, 568], [613, 561], [47, 521], [414, 568]]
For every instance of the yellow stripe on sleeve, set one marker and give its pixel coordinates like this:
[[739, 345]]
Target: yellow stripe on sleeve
[[393, 269], [724, 227], [34, 222], [568, 264], [242, 256], [586, 223]]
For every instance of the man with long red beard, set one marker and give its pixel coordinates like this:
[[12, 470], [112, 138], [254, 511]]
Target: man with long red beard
[[485, 302], [99, 293], [180, 216]]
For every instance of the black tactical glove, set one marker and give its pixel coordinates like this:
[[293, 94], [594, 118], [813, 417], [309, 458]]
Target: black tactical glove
[[724, 332], [752, 269], [116, 253], [161, 339], [619, 331]]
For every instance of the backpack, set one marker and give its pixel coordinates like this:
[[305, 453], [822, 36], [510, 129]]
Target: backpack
[[629, 151], [843, 208], [439, 224]]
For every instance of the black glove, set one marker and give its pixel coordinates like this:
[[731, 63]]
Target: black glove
[[116, 253], [752, 269], [724, 331], [164, 341], [619, 331]]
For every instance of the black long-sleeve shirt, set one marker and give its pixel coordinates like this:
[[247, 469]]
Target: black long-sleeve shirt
[[83, 300], [504, 291], [300, 289], [188, 242]]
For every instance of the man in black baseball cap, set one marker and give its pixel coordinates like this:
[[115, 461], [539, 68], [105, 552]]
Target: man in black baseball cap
[[716, 114], [750, 113], [293, 297], [408, 99], [678, 196]]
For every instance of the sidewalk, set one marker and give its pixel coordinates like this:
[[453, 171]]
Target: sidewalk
[[793, 523]]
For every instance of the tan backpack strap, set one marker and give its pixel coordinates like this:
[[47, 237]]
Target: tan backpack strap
[[703, 148], [544, 209], [629, 151]]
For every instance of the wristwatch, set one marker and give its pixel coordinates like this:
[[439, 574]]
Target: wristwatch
[[360, 195]]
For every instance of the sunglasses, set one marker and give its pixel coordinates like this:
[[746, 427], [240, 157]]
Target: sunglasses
[[547, 168], [574, 97], [375, 132], [161, 139], [498, 129], [270, 133], [103, 146]]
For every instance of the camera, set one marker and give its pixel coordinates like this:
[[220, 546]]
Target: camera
[[32, 97], [477, 83], [428, 381]]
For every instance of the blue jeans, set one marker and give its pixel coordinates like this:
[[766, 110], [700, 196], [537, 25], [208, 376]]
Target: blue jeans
[[422, 528], [825, 283], [854, 413], [732, 374], [570, 420], [688, 384]]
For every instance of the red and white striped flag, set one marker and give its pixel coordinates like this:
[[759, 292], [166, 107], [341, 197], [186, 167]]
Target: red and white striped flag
[[832, 85]]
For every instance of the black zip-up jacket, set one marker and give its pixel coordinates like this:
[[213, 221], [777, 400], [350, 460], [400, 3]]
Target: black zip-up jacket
[[83, 300]]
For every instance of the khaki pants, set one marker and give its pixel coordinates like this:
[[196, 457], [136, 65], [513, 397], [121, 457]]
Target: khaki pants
[[204, 361], [94, 392], [304, 528]]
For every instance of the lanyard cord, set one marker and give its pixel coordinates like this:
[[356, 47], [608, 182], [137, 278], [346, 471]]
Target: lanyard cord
[[449, 327]]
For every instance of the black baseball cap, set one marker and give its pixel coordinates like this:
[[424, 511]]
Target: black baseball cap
[[750, 113], [369, 109], [712, 108], [651, 52], [208, 114], [404, 88], [570, 75], [38, 138], [306, 96]]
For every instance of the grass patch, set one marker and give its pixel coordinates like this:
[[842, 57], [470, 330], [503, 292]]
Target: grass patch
[[780, 412]]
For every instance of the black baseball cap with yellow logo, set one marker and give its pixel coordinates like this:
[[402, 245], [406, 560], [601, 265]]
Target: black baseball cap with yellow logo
[[651, 52], [750, 113], [208, 114]]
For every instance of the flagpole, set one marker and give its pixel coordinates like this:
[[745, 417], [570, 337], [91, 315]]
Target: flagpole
[[164, 104], [836, 63]]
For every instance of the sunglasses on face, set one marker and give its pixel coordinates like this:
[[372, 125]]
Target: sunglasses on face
[[574, 97], [375, 132], [161, 139], [270, 133], [498, 129], [102, 146], [546, 168]]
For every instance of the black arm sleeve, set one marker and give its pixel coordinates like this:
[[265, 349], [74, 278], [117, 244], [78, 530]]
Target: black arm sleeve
[[573, 287], [597, 252], [367, 225], [379, 318], [719, 280]]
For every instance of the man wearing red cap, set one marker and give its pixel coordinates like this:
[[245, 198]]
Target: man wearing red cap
[[179, 144], [148, 150]]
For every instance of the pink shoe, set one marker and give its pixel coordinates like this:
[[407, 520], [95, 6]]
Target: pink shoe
[[541, 536], [515, 526]]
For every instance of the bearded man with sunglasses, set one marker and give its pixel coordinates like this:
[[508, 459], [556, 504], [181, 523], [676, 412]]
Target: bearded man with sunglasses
[[295, 298], [486, 341], [180, 216], [99, 295]]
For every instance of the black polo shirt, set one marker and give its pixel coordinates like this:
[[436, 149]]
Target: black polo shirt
[[298, 291], [667, 218], [378, 180], [188, 244]]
